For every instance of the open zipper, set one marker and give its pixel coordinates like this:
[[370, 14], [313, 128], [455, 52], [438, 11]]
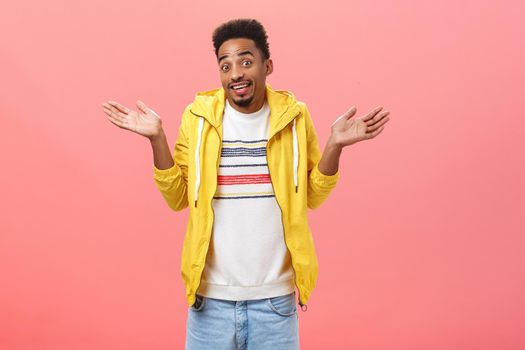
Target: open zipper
[[282, 222], [213, 216], [280, 208]]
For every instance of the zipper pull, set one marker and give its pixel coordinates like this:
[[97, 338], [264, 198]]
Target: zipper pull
[[304, 307]]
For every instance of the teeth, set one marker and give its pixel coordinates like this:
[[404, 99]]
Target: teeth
[[240, 86]]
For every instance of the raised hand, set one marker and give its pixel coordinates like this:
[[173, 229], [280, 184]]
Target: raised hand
[[144, 122], [346, 131]]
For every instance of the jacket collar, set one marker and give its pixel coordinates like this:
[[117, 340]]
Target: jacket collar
[[283, 107]]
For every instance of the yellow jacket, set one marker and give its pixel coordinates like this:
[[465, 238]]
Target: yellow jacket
[[293, 156]]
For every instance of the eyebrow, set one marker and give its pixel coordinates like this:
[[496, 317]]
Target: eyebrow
[[243, 53]]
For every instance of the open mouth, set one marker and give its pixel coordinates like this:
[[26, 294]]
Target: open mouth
[[241, 88]]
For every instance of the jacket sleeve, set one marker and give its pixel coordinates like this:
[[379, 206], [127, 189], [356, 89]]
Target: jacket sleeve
[[173, 182], [319, 184]]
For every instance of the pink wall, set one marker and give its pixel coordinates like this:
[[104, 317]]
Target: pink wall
[[420, 246]]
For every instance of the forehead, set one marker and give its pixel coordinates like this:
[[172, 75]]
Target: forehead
[[234, 46]]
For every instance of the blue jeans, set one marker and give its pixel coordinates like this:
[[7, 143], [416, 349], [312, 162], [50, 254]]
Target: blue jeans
[[216, 324]]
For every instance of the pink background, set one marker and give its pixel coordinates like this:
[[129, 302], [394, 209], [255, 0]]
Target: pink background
[[420, 246]]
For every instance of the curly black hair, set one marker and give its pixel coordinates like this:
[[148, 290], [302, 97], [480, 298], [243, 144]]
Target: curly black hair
[[242, 28]]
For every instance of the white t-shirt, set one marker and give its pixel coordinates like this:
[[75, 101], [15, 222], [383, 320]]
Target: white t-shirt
[[247, 258]]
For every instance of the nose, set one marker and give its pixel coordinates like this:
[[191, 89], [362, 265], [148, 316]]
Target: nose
[[237, 73]]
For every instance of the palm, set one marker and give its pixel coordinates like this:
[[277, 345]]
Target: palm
[[351, 130], [144, 122], [347, 131]]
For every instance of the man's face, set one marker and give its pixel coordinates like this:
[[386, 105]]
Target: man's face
[[240, 63]]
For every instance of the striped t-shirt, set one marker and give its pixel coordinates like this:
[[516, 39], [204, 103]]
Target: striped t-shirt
[[247, 258]]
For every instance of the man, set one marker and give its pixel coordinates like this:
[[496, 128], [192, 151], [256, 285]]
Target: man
[[247, 164]]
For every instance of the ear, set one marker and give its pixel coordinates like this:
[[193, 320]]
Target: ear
[[269, 66]]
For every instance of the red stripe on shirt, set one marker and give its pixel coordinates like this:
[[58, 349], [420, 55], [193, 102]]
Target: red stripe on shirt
[[243, 179]]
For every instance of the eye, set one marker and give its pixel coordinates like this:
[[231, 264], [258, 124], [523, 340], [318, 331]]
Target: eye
[[247, 62], [224, 67]]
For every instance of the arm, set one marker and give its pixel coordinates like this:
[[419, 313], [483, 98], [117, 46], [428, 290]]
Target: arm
[[329, 164], [171, 173], [162, 158], [319, 184], [346, 131]]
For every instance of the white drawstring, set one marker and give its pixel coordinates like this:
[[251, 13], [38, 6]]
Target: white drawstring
[[295, 155], [198, 159]]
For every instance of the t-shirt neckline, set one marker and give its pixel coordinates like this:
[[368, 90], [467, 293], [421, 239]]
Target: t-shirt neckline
[[249, 117]]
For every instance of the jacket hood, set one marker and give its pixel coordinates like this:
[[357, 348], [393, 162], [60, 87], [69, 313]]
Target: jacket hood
[[283, 106]]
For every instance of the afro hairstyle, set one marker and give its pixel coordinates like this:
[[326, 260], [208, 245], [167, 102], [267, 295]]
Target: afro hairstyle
[[242, 28]]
